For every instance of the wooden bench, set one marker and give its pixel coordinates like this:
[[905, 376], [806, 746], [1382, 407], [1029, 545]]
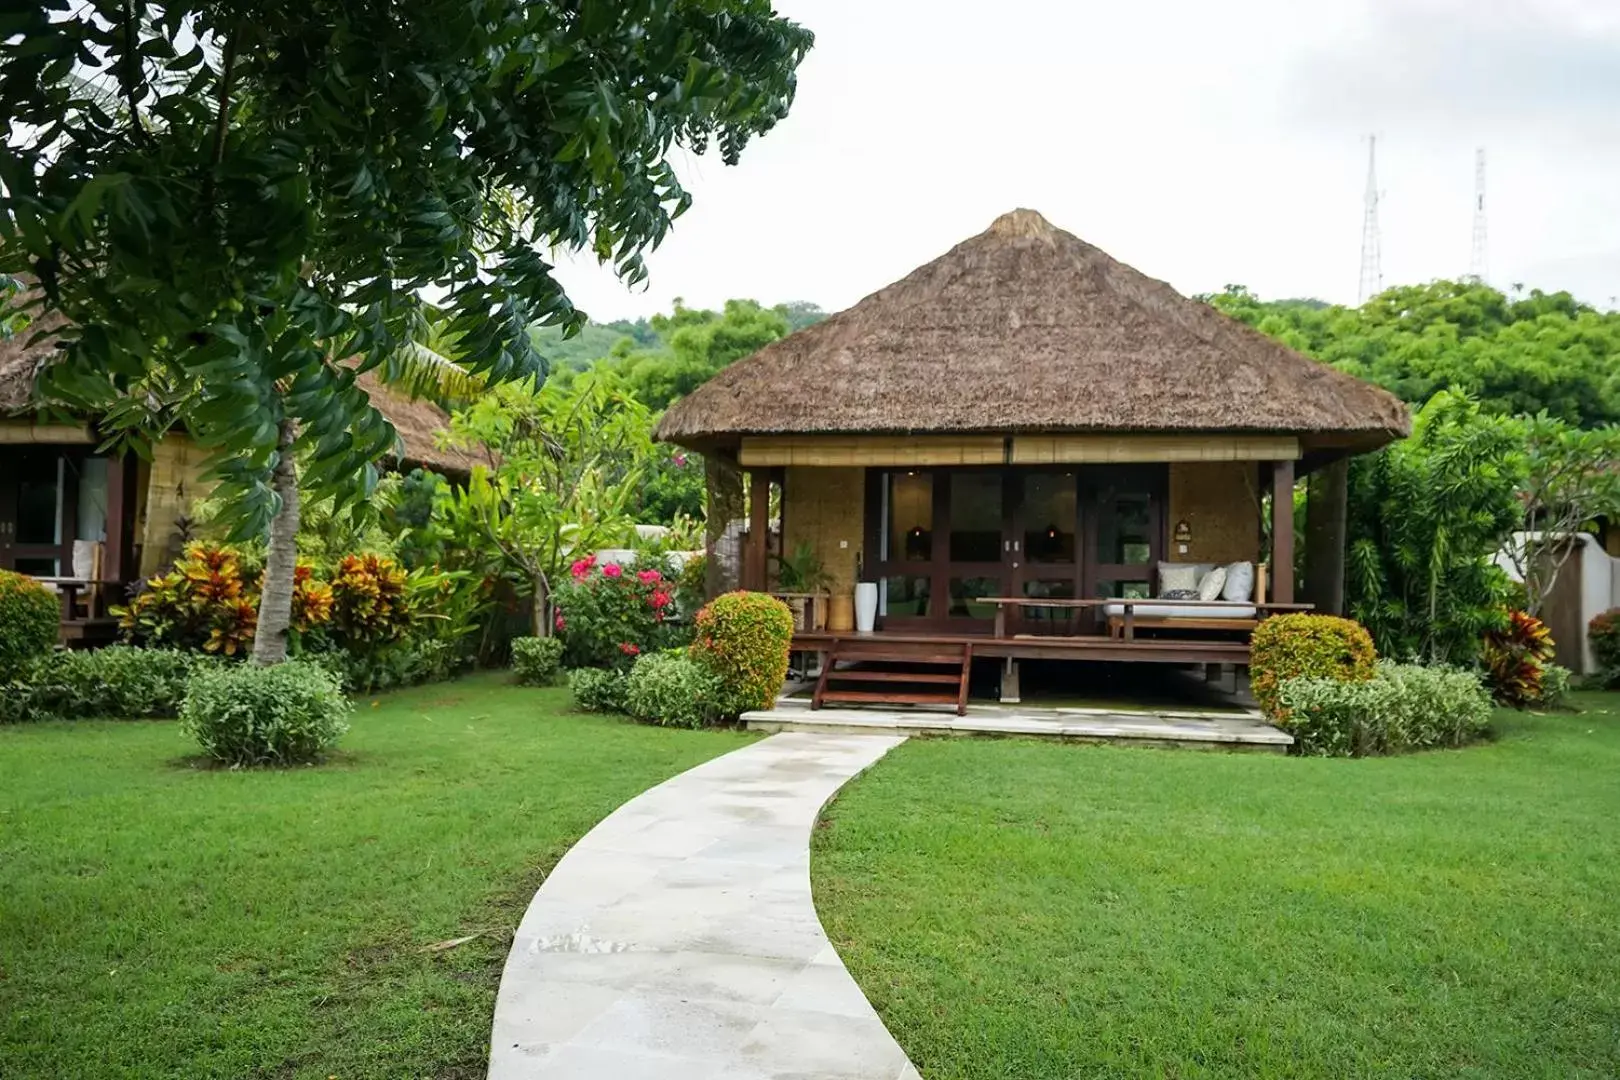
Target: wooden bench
[[1138, 613]]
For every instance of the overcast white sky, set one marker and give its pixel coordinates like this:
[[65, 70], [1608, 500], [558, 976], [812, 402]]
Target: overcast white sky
[[1204, 143]]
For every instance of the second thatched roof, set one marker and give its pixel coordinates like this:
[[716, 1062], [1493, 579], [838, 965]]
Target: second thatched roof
[[418, 422], [1026, 328]]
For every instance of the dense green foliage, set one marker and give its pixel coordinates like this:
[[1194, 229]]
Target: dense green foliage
[[1518, 355], [598, 690], [1017, 908], [744, 638], [1425, 516], [29, 616], [118, 682], [537, 660], [1403, 707], [289, 714], [215, 193], [1293, 646], [672, 689], [168, 921]]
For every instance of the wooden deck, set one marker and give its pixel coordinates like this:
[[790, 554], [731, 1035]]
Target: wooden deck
[[1047, 647]]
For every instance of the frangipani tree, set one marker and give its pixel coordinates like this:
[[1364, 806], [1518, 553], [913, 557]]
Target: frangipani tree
[[570, 460], [259, 218]]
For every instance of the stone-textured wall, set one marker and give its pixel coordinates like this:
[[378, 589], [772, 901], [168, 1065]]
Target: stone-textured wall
[[825, 506], [1220, 501]]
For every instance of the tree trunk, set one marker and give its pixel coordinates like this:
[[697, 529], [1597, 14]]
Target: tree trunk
[[723, 526], [281, 558], [540, 612]]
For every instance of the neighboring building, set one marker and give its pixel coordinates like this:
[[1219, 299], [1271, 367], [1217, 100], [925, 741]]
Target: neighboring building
[[1027, 417], [68, 512]]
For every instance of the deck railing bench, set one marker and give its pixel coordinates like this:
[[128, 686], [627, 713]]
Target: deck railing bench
[[1124, 624]]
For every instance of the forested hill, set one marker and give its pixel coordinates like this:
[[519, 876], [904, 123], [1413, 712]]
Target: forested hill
[[1517, 354]]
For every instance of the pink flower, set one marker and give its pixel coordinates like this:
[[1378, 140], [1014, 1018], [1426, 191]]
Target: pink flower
[[629, 648], [660, 598], [612, 570], [680, 461], [558, 621], [647, 577], [582, 567]]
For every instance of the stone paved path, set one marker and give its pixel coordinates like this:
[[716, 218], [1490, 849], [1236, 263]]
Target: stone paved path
[[678, 940]]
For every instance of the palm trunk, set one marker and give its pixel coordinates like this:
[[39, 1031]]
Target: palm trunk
[[540, 613], [281, 558]]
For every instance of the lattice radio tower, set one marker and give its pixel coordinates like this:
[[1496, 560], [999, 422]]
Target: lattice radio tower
[[1477, 266], [1372, 258]]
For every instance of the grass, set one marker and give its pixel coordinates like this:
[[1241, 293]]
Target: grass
[[1033, 911], [160, 919]]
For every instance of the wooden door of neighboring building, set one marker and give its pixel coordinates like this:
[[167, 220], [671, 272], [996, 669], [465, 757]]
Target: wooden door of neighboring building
[[36, 511]]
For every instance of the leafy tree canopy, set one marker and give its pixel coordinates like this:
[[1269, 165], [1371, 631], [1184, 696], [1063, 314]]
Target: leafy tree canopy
[[241, 204], [1519, 354]]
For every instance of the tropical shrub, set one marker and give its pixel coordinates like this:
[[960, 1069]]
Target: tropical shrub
[[287, 714], [1603, 633], [29, 617], [598, 689], [371, 603], [1556, 681], [609, 614], [206, 602], [744, 639], [119, 682], [1426, 515], [1402, 707], [692, 585], [391, 666], [536, 661], [1290, 646], [1516, 658], [674, 690]]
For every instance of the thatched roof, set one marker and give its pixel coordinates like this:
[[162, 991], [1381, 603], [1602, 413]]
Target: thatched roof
[[418, 422], [1026, 328]]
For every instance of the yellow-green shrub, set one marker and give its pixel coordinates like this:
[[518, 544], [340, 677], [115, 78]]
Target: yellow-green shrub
[[1294, 646], [744, 638], [29, 613]]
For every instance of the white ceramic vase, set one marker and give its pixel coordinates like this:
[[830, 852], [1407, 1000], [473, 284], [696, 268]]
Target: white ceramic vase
[[866, 603]]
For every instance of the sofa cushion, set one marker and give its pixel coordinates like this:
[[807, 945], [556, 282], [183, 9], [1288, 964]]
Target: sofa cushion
[[1179, 594], [1150, 609], [1176, 576], [1239, 586]]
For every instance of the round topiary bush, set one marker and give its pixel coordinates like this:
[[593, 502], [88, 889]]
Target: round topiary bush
[[287, 714], [29, 617], [1321, 646], [744, 638], [600, 690], [1603, 632], [537, 660], [672, 689]]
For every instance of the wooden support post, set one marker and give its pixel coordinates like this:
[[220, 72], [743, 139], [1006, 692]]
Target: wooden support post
[[724, 492], [118, 562], [1009, 681], [756, 564], [1325, 529], [1282, 532]]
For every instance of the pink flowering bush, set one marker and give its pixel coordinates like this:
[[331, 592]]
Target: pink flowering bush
[[607, 615]]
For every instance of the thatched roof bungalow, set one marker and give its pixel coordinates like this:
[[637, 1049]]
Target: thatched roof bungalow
[[1026, 416], [66, 512]]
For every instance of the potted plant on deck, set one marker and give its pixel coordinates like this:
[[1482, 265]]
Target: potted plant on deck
[[803, 583]]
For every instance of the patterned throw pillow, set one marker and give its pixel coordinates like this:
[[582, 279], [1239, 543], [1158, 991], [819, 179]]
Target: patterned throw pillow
[[1175, 577], [1179, 594], [1214, 581]]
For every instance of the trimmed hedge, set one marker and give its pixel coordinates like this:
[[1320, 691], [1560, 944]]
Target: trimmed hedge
[[673, 690], [1603, 632], [1293, 646], [537, 660], [744, 639], [30, 615], [598, 690], [1402, 707], [120, 682], [287, 714]]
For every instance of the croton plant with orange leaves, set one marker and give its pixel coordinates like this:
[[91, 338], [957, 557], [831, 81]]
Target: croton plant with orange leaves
[[1516, 657]]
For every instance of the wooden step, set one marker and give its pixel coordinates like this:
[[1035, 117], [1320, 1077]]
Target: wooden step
[[948, 678], [900, 655], [885, 697]]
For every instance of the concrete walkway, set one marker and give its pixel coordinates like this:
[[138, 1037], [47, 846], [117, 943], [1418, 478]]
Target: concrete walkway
[[678, 941]]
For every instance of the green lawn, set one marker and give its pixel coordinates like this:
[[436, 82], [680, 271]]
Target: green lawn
[[1031, 911], [158, 919]]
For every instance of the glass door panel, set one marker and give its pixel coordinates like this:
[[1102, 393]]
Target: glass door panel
[[1047, 528], [906, 545], [33, 512], [1126, 532], [978, 549]]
